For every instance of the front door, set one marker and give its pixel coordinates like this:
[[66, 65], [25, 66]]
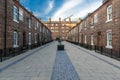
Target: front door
[[24, 39]]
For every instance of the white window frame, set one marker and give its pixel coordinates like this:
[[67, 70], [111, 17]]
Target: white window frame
[[29, 38], [37, 24], [35, 37], [109, 39], [109, 13], [85, 39], [85, 24], [30, 21], [15, 39], [15, 14], [21, 14], [95, 18], [92, 39]]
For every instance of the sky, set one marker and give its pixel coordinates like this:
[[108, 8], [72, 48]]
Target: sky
[[54, 9]]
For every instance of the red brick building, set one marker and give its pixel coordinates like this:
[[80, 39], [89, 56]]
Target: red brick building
[[100, 30], [60, 28], [19, 28]]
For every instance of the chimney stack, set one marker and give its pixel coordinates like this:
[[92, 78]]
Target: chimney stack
[[69, 19], [79, 20], [49, 19], [59, 19]]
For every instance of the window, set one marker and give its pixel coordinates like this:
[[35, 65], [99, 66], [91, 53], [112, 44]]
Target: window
[[109, 13], [29, 39], [29, 23], [92, 40], [15, 14], [67, 27], [63, 27], [37, 24], [20, 15], [56, 30], [15, 39], [85, 39], [109, 39], [85, 24], [52, 30], [52, 27], [56, 27], [40, 29], [35, 37], [95, 18]]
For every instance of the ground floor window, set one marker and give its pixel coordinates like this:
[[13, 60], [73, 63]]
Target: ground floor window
[[109, 39], [15, 37], [85, 39], [92, 40], [35, 37], [29, 38]]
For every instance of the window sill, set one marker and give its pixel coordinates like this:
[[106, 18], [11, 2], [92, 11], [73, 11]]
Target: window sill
[[15, 46], [16, 21], [109, 47], [29, 43], [92, 27], [108, 20]]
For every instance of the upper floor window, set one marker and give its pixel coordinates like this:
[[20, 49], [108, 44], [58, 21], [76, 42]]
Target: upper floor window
[[20, 15], [15, 44], [85, 24], [15, 14], [92, 22], [109, 13], [30, 22], [37, 24], [95, 18]]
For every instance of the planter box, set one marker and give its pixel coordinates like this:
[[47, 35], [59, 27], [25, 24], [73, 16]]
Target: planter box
[[60, 47]]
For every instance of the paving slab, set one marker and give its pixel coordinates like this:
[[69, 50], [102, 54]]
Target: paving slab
[[36, 64], [91, 65]]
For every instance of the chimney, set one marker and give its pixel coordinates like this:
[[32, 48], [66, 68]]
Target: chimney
[[49, 19], [104, 1], [69, 19], [59, 18], [79, 20]]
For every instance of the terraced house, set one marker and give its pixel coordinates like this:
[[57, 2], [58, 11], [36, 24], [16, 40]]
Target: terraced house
[[100, 30], [19, 28]]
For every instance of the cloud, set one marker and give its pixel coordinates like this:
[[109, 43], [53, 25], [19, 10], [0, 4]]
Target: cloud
[[76, 8], [83, 11], [64, 11], [50, 6]]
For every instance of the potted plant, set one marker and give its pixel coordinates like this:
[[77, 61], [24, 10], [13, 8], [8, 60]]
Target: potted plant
[[60, 46]]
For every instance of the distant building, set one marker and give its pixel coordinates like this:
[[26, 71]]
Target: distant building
[[60, 28]]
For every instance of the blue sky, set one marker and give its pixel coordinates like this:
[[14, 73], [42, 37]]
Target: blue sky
[[61, 8]]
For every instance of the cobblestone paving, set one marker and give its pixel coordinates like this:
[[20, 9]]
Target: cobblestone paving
[[63, 68]]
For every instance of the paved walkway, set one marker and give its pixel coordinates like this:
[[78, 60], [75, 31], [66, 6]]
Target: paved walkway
[[45, 63]]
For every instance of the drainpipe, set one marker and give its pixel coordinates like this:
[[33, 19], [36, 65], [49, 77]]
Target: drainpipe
[[5, 27]]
